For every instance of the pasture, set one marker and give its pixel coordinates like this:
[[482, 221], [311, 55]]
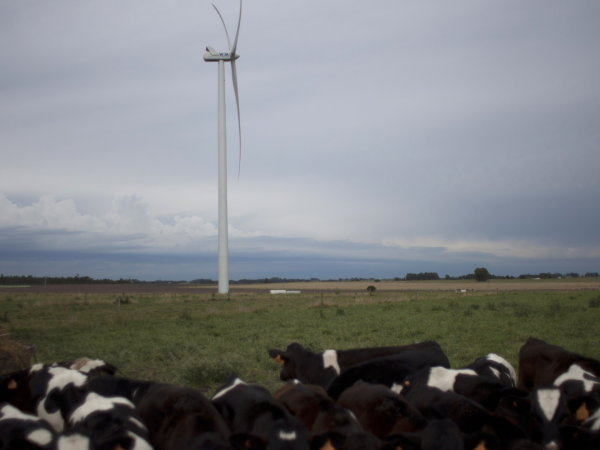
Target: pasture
[[197, 339]]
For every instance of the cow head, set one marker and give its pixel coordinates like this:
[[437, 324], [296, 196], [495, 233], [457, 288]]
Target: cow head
[[540, 414], [14, 389], [293, 361]]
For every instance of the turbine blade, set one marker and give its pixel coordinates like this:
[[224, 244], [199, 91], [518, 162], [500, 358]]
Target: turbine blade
[[226, 33], [237, 33], [237, 100]]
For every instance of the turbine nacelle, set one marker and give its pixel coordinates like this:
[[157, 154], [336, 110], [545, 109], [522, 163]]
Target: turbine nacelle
[[211, 55]]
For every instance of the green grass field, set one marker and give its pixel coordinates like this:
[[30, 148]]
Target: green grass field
[[198, 340]]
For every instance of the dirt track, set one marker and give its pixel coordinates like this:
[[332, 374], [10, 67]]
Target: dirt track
[[321, 287]]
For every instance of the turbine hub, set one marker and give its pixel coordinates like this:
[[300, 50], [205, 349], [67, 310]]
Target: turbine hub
[[211, 55]]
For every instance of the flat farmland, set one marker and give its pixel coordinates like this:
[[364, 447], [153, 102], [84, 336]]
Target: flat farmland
[[576, 284], [198, 339], [564, 284]]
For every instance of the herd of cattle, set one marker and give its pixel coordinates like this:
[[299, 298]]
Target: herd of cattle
[[384, 398]]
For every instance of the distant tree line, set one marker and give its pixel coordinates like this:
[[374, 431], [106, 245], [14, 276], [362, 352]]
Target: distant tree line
[[422, 276], [480, 274], [30, 280]]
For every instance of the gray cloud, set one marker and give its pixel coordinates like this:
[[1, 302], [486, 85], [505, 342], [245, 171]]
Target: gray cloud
[[468, 128]]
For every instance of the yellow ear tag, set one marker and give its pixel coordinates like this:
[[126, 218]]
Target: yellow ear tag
[[279, 360], [582, 413], [327, 446], [12, 384], [481, 446]]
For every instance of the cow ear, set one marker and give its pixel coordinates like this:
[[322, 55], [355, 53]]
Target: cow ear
[[245, 441], [332, 440], [12, 381], [279, 356], [582, 408], [402, 441], [481, 441]]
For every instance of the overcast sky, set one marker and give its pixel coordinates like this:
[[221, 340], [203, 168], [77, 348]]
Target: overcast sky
[[378, 138]]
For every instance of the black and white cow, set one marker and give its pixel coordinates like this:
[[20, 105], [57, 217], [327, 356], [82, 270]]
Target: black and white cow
[[389, 370], [177, 417], [462, 381], [256, 419], [541, 414], [541, 363], [322, 368], [52, 390], [109, 386], [577, 381], [469, 416], [15, 387], [496, 368], [90, 367], [20, 430], [110, 422]]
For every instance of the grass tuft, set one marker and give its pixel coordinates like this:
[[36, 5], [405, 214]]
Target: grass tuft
[[522, 309], [185, 315], [207, 374]]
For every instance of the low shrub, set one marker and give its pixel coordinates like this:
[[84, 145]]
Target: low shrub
[[553, 308], [125, 300], [595, 302]]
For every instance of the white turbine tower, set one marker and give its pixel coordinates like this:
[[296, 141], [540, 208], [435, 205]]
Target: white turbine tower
[[212, 56]]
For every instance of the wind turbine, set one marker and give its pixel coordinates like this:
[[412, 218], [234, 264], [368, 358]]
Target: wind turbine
[[213, 56]]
